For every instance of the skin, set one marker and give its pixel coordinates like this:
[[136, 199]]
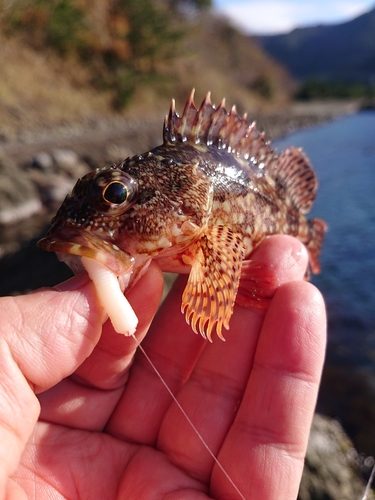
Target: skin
[[103, 426]]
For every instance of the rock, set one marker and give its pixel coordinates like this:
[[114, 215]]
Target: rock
[[69, 162], [333, 468], [54, 188], [368, 105], [43, 161], [65, 158], [18, 197], [22, 211]]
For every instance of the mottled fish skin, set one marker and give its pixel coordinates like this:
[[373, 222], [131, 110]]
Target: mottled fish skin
[[199, 204]]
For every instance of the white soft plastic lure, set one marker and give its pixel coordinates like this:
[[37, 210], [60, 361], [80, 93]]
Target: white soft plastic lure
[[114, 302]]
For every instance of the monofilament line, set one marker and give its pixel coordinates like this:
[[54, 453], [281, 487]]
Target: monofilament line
[[188, 419], [369, 483]]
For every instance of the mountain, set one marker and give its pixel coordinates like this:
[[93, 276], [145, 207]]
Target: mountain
[[341, 52]]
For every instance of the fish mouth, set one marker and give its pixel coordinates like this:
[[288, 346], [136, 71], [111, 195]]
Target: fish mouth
[[70, 243]]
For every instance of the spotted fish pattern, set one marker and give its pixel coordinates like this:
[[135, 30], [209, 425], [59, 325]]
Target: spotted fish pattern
[[197, 204]]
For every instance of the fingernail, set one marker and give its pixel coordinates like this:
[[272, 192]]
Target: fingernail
[[298, 251]]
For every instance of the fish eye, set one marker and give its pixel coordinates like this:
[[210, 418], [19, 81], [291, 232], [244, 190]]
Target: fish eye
[[116, 192], [113, 192]]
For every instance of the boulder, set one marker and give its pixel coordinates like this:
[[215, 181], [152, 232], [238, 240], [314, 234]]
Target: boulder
[[333, 469]]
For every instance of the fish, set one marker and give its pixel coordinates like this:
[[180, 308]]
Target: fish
[[198, 204]]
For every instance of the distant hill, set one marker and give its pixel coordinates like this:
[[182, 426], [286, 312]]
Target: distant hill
[[87, 61], [341, 52]]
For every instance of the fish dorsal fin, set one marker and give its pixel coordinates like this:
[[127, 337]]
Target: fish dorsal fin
[[293, 173], [214, 126]]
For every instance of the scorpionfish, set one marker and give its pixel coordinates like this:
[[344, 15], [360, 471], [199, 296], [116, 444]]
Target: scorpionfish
[[198, 204]]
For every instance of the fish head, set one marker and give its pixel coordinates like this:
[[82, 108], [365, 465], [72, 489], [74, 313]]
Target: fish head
[[125, 215]]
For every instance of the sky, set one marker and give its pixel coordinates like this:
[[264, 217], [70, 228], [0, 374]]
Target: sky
[[281, 16]]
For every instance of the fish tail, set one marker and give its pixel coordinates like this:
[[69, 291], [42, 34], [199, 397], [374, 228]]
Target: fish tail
[[315, 235]]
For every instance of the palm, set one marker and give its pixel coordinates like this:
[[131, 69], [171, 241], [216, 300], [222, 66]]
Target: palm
[[111, 430]]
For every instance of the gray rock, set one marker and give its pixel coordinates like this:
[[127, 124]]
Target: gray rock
[[22, 211], [19, 198], [42, 160], [333, 470], [60, 187], [65, 158], [68, 162]]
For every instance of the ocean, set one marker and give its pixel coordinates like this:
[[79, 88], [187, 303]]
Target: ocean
[[343, 155]]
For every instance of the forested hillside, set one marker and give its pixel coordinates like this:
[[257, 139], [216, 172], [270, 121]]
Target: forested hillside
[[66, 60]]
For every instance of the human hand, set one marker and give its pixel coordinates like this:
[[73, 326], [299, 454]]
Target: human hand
[[103, 425]]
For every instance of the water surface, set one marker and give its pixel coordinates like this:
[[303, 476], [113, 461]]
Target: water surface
[[343, 154]]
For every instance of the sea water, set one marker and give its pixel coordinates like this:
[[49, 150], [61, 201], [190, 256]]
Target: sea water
[[343, 155]]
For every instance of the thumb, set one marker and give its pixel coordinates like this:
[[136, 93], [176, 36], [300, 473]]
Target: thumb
[[43, 337], [51, 331]]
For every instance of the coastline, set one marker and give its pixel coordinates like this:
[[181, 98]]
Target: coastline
[[301, 115]]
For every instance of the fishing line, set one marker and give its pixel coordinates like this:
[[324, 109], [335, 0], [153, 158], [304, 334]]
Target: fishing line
[[369, 483], [188, 419]]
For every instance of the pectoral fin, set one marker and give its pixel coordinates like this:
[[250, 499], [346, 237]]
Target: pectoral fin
[[210, 293]]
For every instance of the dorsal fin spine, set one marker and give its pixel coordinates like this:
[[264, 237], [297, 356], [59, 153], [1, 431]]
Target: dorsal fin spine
[[238, 131], [188, 117], [171, 123], [225, 133], [217, 120], [216, 127], [203, 119]]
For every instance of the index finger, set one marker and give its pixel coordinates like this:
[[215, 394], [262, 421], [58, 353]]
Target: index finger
[[269, 435]]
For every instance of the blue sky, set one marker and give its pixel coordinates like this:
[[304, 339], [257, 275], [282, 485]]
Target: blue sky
[[281, 16]]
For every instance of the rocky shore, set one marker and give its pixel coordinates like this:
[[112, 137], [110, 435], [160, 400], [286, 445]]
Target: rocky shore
[[37, 171]]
